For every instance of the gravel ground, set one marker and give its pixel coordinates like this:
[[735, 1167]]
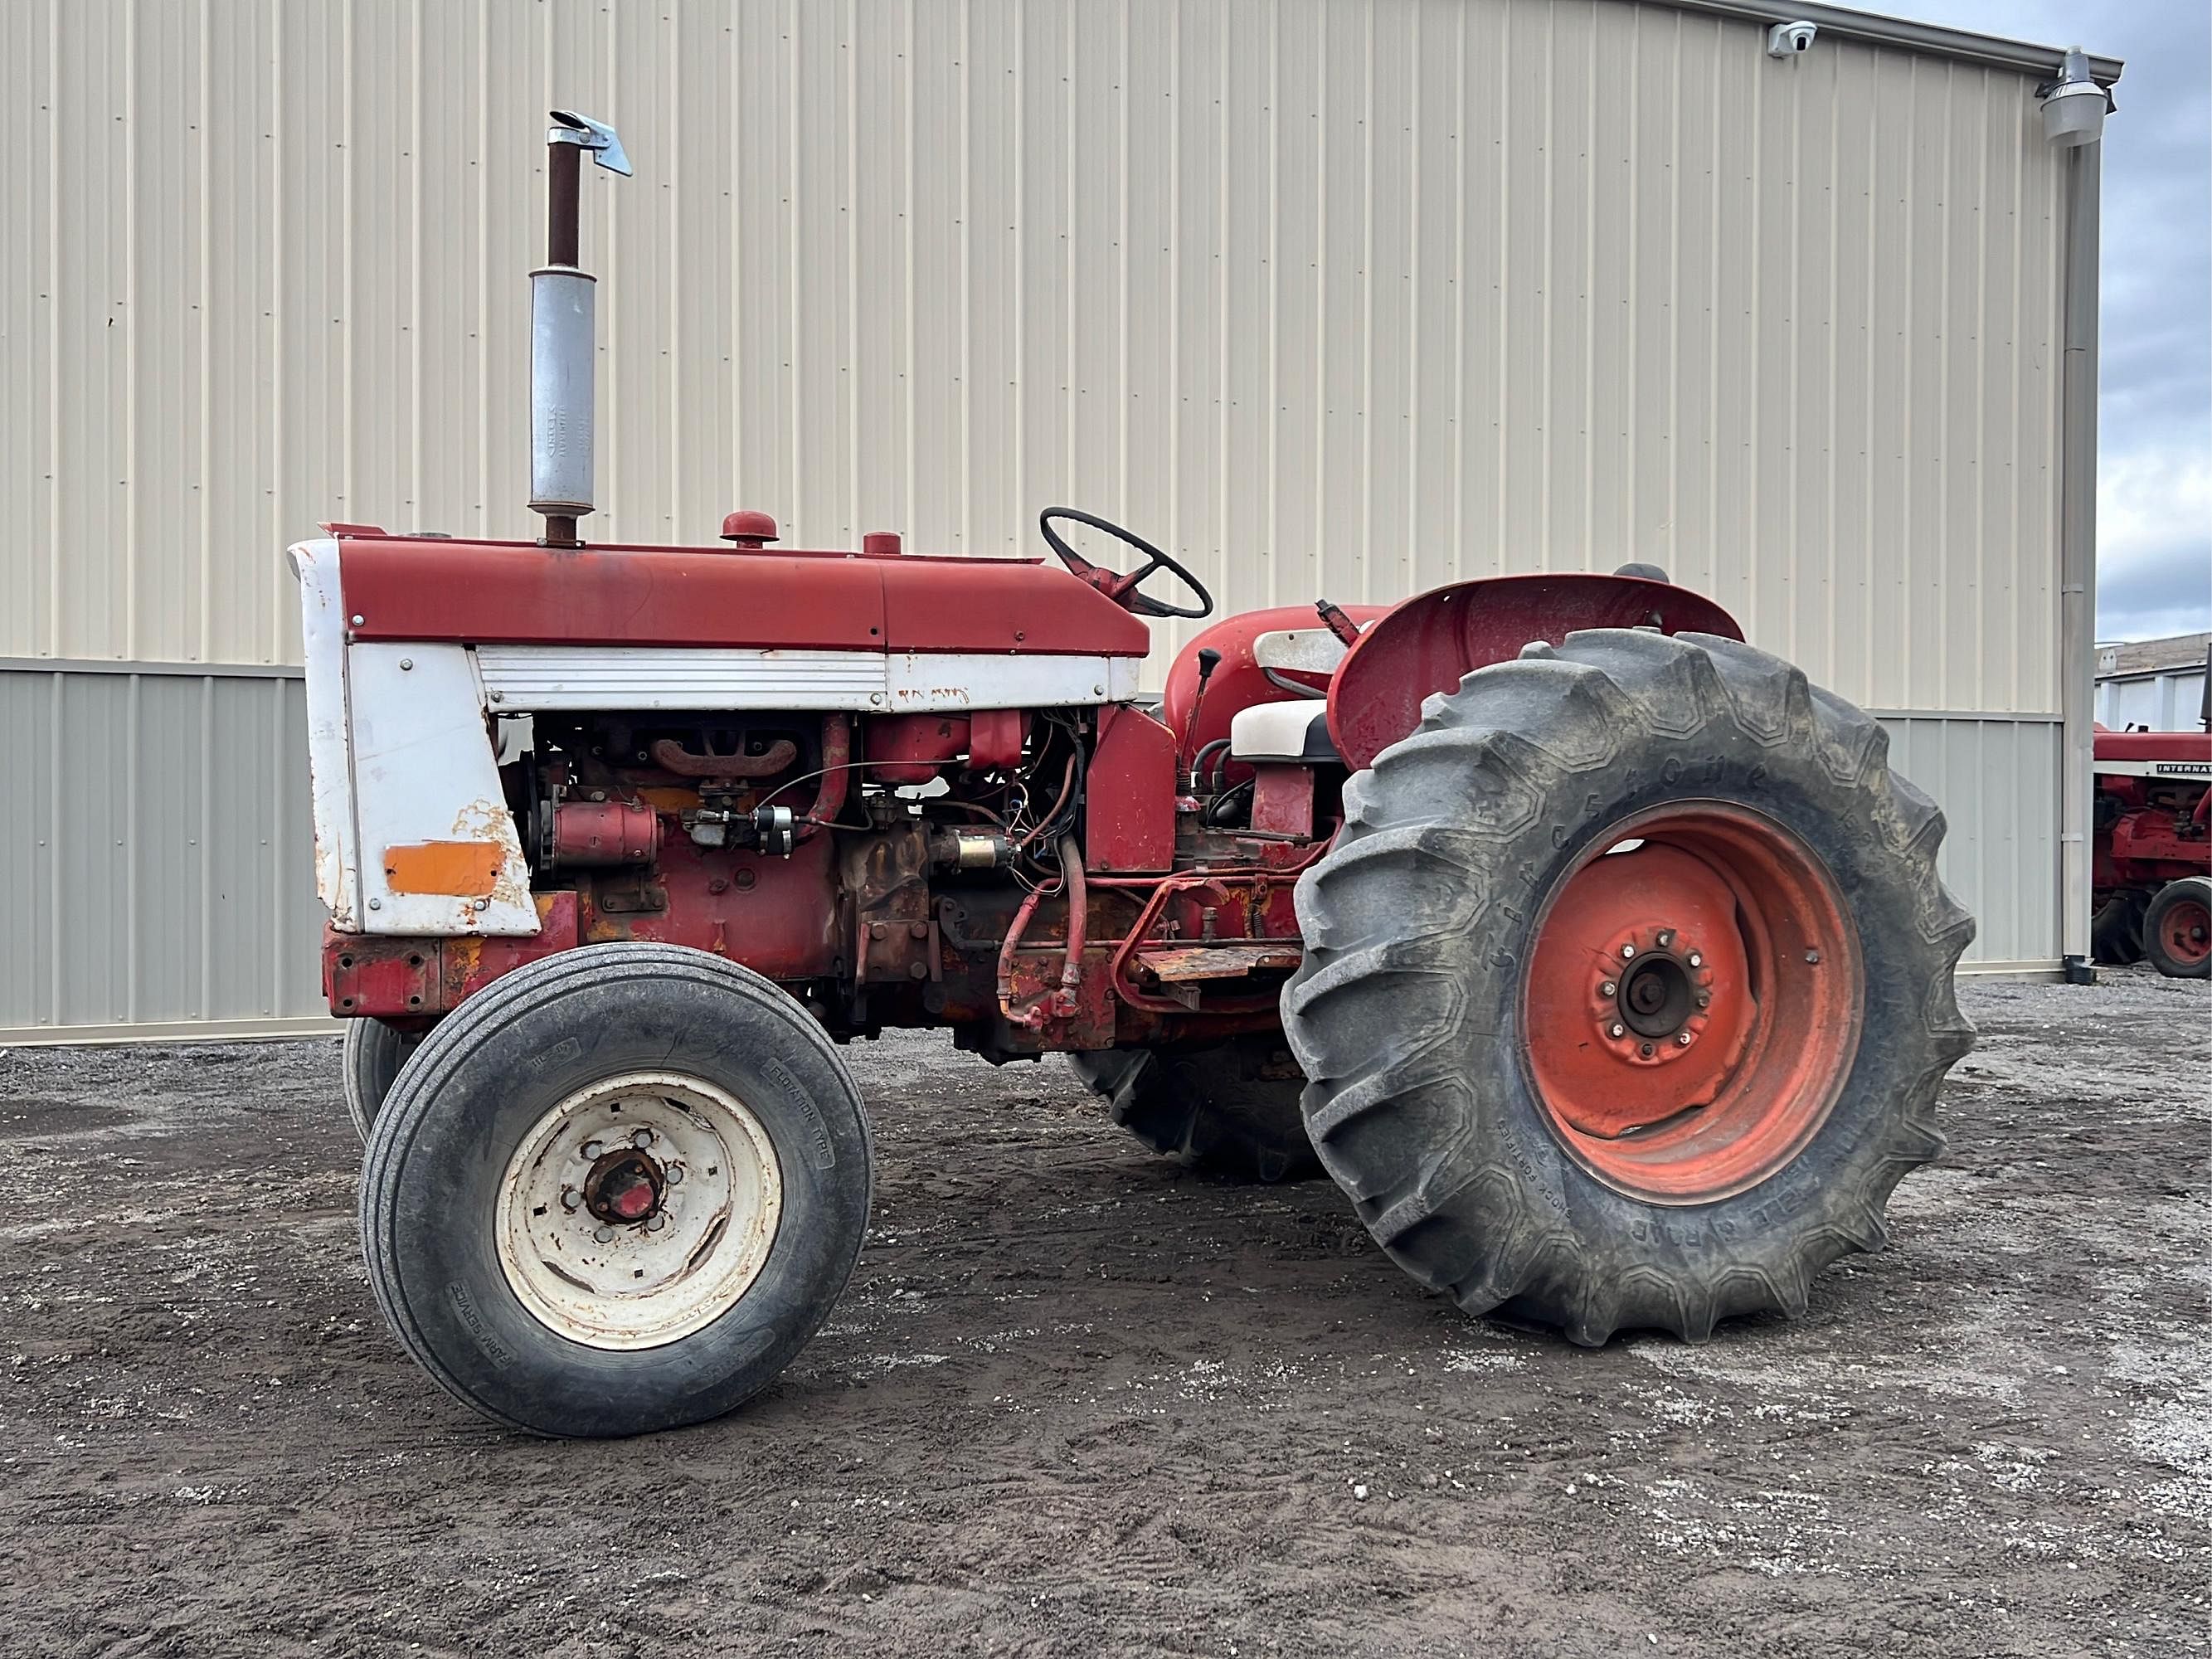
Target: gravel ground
[[1079, 1401]]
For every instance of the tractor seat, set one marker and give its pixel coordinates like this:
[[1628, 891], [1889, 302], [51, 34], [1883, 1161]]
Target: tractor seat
[[1295, 731]]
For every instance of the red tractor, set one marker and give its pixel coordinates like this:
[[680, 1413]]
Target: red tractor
[[2153, 870], [1598, 957]]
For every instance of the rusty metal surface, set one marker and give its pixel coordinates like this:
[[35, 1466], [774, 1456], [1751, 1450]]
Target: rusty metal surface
[[587, 833], [671, 755], [395, 978], [1185, 964]]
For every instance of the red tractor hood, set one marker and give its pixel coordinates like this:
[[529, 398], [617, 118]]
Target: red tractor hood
[[2174, 747], [406, 588]]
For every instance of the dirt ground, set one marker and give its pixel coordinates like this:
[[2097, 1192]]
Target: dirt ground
[[1078, 1401]]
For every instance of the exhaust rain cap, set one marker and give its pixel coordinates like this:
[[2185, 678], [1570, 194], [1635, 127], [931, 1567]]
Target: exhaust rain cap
[[596, 137]]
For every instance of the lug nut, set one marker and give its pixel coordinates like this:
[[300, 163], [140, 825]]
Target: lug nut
[[1683, 1040], [1666, 937], [1608, 988], [656, 1224], [572, 1199], [1704, 999], [1696, 960], [1616, 1031], [592, 1151], [605, 1235], [641, 1139], [1645, 1049], [1626, 952], [674, 1173]]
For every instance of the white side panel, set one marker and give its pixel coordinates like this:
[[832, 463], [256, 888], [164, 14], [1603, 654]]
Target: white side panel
[[518, 677], [1306, 650], [330, 764], [424, 777]]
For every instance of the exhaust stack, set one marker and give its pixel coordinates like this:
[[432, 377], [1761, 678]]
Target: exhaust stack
[[563, 333]]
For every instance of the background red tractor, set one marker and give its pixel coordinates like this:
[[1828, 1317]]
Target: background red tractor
[[2153, 856], [1599, 958]]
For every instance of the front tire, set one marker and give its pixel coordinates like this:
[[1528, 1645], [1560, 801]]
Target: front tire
[[616, 1192], [370, 1059], [1654, 1089], [1227, 1109], [2116, 930]]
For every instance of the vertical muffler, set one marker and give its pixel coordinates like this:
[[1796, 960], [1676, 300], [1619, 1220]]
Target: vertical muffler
[[564, 332]]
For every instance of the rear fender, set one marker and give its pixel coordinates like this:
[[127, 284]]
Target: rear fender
[[1435, 639]]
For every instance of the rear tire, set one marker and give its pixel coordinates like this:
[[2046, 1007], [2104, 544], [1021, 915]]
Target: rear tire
[[614, 1192], [1228, 1108], [1505, 1135], [2115, 930], [371, 1058], [2177, 929]]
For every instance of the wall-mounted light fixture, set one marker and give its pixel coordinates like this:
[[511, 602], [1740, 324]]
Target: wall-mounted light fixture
[[2074, 105]]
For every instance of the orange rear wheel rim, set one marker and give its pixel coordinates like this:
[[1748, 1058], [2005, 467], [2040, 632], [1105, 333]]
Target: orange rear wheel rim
[[1692, 1003]]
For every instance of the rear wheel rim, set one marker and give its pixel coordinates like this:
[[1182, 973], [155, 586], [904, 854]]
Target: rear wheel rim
[[639, 1210], [1692, 1003], [2186, 930]]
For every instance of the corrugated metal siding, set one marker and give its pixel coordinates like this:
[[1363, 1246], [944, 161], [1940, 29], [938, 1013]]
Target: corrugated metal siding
[[2170, 701], [1997, 781], [1342, 298], [159, 863], [1334, 298], [160, 851]]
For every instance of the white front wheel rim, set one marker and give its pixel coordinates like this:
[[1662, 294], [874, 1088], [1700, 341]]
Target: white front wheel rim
[[639, 1211]]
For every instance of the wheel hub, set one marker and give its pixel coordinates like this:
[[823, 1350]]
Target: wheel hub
[[1659, 997], [624, 1186], [2188, 932], [639, 1210], [1691, 1002]]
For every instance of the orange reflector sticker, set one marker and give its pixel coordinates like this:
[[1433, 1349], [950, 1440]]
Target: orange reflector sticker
[[462, 869]]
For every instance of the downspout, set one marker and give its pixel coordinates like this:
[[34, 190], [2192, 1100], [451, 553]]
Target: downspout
[[2078, 557]]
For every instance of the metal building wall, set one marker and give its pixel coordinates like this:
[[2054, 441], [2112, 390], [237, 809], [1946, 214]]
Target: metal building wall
[[1345, 297], [2168, 700], [158, 874], [1998, 783]]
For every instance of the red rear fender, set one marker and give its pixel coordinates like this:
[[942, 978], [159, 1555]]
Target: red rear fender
[[1433, 640]]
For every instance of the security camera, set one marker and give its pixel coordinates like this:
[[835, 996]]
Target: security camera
[[1788, 39]]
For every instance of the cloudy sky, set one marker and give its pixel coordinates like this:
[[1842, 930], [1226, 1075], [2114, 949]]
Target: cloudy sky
[[2154, 467]]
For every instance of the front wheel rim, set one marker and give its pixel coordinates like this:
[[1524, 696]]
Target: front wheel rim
[[639, 1210], [1692, 1003]]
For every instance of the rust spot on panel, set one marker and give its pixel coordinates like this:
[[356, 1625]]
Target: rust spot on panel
[[1182, 964], [461, 869]]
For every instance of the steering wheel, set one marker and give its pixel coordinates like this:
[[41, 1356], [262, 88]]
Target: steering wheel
[[1121, 589]]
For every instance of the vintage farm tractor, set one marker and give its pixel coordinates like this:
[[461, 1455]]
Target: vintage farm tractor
[[1599, 958], [2152, 867]]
